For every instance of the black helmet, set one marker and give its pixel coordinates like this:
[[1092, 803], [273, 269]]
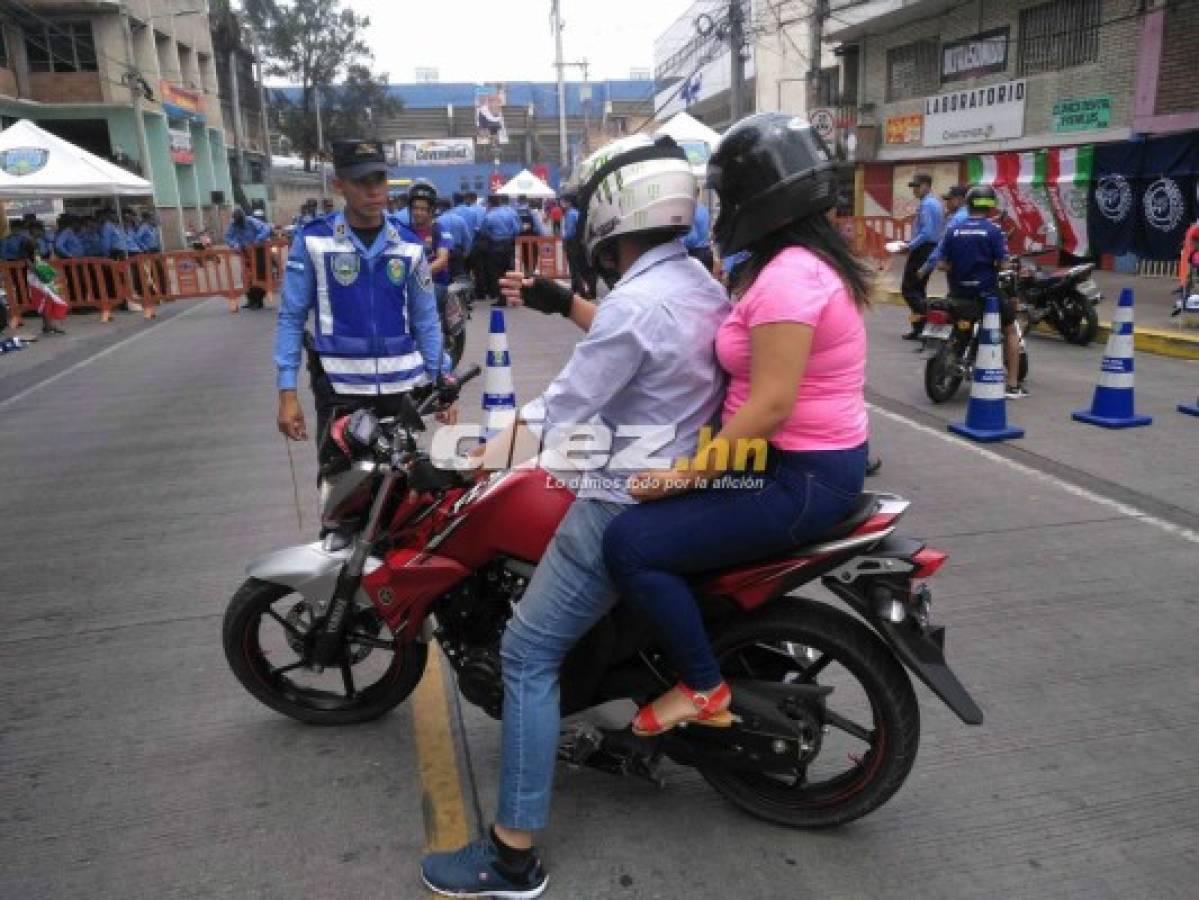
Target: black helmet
[[422, 190], [982, 196], [769, 169]]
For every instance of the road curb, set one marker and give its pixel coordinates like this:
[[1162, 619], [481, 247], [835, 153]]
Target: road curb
[[1147, 340]]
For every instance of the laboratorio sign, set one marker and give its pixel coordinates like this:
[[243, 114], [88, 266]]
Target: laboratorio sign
[[977, 98]]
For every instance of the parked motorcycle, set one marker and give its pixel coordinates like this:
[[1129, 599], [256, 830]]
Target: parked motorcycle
[[951, 331], [827, 724], [455, 312], [1065, 298]]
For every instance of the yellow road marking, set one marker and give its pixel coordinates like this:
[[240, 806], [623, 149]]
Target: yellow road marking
[[441, 784]]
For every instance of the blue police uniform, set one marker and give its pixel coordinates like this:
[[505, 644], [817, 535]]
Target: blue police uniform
[[404, 217], [530, 224], [438, 238], [131, 241], [68, 244], [471, 215], [959, 216], [500, 224], [14, 245], [112, 239], [147, 238], [45, 245], [376, 329], [93, 245], [456, 225], [251, 231]]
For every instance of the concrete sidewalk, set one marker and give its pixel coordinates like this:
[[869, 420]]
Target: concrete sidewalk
[[1156, 330]]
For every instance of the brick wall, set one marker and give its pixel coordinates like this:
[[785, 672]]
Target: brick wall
[[1111, 75], [1176, 81], [66, 87]]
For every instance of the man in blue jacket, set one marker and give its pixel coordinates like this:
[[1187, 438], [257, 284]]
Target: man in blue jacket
[[249, 235], [926, 232], [366, 284], [500, 228]]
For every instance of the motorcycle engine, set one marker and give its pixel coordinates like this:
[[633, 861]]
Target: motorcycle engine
[[471, 621]]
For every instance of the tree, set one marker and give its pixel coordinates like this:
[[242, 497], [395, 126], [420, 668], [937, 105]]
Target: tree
[[351, 109], [312, 43]]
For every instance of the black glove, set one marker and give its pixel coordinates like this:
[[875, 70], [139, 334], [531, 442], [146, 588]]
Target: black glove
[[547, 296]]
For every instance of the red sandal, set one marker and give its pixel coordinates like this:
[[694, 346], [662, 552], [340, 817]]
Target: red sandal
[[711, 709]]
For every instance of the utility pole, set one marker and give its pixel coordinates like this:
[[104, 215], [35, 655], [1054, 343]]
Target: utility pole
[[320, 142], [556, 24], [816, 34], [736, 41], [239, 163], [266, 123]]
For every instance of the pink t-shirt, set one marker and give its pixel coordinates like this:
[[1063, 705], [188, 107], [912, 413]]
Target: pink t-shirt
[[798, 286]]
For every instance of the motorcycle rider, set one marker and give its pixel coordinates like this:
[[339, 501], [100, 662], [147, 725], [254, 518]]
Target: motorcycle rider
[[360, 355], [438, 241], [974, 250], [647, 359]]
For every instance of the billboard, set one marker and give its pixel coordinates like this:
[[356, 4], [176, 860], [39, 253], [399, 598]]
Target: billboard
[[181, 146], [489, 115], [435, 152], [988, 113]]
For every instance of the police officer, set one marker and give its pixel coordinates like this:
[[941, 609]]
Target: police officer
[[249, 235], [499, 229], [306, 215], [376, 333], [973, 252], [463, 234], [14, 246], [926, 231]]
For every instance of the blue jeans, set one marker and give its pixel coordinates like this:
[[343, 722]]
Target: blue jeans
[[651, 549], [570, 591]]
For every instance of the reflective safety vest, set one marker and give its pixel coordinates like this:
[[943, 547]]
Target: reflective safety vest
[[363, 335]]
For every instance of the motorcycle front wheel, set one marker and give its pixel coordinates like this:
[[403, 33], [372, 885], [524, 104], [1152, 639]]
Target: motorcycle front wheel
[[939, 381], [264, 639], [1079, 322], [871, 718]]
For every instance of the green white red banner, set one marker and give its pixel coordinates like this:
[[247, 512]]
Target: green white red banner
[[1043, 196]]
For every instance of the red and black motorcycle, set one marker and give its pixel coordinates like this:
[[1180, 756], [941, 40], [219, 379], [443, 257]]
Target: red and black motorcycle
[[827, 724]]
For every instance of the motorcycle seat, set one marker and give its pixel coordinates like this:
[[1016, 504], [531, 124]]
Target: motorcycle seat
[[866, 506]]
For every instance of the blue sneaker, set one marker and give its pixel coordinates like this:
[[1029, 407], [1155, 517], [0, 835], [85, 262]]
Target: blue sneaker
[[476, 871]]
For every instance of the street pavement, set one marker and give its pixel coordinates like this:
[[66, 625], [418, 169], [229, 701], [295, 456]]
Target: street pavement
[[138, 483]]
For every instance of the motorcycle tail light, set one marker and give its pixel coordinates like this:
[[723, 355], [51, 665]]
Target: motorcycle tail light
[[965, 325], [937, 317], [928, 561]]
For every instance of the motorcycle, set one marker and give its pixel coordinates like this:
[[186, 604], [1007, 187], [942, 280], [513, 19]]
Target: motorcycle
[[1065, 298], [455, 311], [951, 331], [826, 721]]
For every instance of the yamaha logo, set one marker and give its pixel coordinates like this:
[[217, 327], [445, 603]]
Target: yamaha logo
[[1164, 205], [1113, 195]]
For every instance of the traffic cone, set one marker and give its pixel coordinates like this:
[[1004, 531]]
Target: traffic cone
[[499, 396], [986, 413], [1192, 410], [1112, 406]]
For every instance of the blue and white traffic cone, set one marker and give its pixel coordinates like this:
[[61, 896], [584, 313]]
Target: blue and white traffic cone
[[1191, 409], [1112, 406], [499, 395], [986, 413]]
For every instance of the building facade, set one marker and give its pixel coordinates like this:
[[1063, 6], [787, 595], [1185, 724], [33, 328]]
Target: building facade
[[1066, 106], [93, 72]]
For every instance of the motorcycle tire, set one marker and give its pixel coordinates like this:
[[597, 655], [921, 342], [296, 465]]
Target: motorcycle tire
[[455, 346], [1080, 330], [938, 383], [240, 635], [887, 686]]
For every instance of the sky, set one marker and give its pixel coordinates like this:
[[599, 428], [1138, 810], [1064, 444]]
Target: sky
[[485, 40]]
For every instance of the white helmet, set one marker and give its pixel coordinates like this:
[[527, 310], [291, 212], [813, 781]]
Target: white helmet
[[636, 184]]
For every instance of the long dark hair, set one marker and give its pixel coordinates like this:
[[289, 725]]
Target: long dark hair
[[817, 234]]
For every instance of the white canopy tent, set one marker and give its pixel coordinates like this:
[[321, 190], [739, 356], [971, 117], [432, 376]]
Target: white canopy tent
[[36, 163], [696, 139], [529, 185]]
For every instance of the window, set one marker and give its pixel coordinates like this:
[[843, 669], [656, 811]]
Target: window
[[1059, 35], [60, 47], [913, 70]]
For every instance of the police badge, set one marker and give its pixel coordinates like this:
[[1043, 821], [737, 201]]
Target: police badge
[[396, 272], [345, 268]]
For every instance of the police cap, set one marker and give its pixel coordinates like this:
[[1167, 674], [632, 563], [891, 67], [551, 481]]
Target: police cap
[[357, 159]]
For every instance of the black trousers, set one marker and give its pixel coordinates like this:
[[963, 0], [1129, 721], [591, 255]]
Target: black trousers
[[915, 287], [579, 283], [499, 261], [254, 267]]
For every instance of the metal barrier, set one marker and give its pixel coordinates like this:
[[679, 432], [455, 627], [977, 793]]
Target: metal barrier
[[152, 278], [542, 256]]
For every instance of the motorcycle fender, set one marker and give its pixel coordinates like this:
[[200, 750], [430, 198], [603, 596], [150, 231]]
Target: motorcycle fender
[[924, 654], [308, 569]]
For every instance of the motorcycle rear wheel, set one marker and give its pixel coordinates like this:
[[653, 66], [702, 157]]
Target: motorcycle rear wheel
[[248, 647], [939, 384], [839, 644]]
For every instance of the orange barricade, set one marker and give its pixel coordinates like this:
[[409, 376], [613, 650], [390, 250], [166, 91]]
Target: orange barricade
[[542, 255], [869, 235], [83, 283]]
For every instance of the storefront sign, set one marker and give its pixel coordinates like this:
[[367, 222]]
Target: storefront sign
[[982, 54], [436, 152], [904, 129], [1085, 114], [180, 103], [988, 113], [181, 146]]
